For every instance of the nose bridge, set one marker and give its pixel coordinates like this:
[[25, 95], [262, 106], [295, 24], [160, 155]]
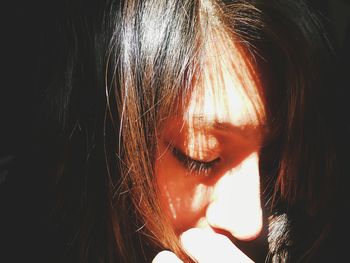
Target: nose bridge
[[239, 182], [235, 205]]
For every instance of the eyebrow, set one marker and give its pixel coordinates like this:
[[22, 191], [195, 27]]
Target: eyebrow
[[246, 130]]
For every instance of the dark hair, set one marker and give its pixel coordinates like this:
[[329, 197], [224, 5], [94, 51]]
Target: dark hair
[[125, 66]]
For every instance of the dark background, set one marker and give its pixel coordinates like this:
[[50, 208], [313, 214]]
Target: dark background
[[28, 44]]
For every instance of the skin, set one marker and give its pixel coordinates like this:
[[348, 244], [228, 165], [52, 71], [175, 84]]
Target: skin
[[207, 165]]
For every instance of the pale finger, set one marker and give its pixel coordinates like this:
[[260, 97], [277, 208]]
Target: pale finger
[[166, 257], [208, 247]]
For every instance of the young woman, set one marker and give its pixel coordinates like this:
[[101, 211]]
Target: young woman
[[196, 128]]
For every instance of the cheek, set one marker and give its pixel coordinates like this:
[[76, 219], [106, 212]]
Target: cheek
[[182, 196]]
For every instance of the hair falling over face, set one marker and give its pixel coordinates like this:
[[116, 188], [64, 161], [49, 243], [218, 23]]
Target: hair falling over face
[[198, 89]]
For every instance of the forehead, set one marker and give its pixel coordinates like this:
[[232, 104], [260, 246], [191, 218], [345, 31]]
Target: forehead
[[228, 90]]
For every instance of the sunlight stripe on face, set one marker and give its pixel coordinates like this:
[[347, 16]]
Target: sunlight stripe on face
[[227, 90]]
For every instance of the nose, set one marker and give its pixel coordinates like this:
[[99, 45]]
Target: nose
[[235, 205]]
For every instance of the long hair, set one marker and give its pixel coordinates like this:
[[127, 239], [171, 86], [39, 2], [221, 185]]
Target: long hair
[[125, 66]]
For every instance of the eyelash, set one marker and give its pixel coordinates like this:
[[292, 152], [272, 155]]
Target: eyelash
[[192, 165]]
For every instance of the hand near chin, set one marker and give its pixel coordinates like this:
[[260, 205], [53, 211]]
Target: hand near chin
[[205, 246]]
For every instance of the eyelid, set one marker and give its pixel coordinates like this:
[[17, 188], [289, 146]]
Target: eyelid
[[178, 151], [193, 164]]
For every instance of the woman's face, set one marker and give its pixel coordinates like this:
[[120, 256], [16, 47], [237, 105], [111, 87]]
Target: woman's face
[[208, 154]]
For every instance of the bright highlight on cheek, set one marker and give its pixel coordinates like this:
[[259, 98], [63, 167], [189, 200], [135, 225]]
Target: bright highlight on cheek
[[172, 202], [183, 196], [202, 193]]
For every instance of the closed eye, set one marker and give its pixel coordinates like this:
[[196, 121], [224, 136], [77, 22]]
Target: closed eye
[[200, 167]]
